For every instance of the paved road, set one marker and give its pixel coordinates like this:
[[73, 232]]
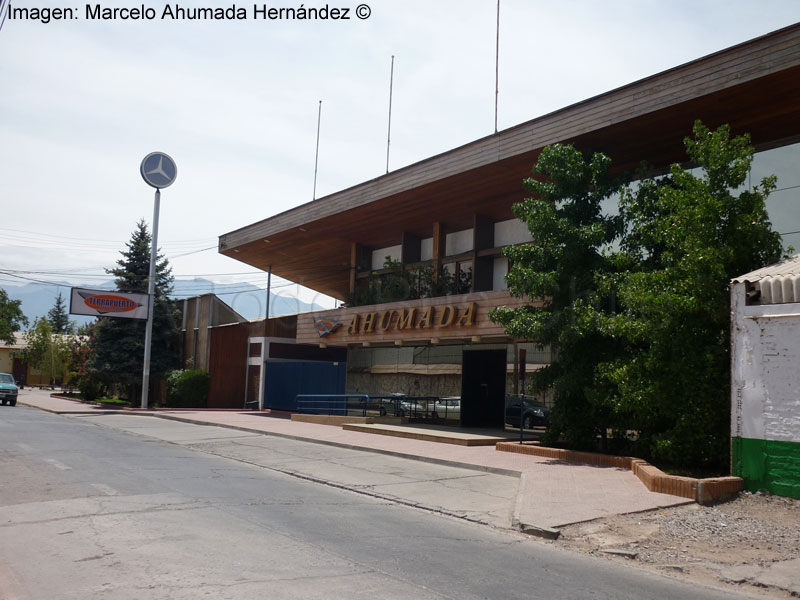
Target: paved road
[[90, 511]]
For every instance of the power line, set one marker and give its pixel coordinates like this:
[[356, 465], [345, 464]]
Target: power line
[[82, 239]]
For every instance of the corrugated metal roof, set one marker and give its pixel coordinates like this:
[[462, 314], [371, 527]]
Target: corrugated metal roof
[[790, 266], [778, 283]]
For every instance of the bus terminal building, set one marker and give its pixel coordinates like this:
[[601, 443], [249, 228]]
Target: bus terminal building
[[442, 224]]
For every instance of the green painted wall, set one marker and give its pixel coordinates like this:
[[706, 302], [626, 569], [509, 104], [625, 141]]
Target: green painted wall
[[768, 465]]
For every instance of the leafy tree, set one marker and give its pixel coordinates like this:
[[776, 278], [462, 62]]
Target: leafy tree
[[58, 317], [47, 351], [81, 353], [687, 237], [11, 317], [636, 307], [119, 343], [565, 217]]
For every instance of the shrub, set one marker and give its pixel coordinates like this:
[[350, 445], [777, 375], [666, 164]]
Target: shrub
[[188, 388]]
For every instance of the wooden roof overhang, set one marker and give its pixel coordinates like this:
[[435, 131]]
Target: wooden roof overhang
[[754, 87]]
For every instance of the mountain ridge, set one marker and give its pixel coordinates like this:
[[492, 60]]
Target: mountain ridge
[[246, 299]]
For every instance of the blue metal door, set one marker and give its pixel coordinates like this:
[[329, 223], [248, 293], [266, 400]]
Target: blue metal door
[[284, 380]]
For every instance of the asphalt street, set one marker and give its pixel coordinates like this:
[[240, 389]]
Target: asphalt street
[[123, 507]]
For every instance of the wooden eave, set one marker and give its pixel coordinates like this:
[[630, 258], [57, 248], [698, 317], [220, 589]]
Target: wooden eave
[[753, 87]]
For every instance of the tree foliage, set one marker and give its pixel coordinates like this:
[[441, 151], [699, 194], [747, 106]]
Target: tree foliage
[[565, 217], [47, 351], [11, 317], [188, 388], [118, 344], [58, 317], [81, 353], [637, 305]]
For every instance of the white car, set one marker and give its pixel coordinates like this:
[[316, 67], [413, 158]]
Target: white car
[[447, 408]]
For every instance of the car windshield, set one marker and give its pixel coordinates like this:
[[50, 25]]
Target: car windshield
[[6, 378]]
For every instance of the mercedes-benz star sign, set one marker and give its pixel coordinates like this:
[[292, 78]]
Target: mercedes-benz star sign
[[158, 170]]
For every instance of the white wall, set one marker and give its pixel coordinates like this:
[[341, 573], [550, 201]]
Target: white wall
[[426, 249], [379, 256], [499, 272], [765, 371], [510, 232], [458, 242]]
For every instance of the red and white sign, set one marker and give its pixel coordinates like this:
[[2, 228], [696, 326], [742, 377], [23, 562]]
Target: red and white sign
[[103, 303]]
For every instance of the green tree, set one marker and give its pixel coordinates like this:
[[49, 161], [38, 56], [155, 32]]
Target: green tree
[[81, 353], [11, 317], [564, 215], [687, 237], [58, 317], [119, 343], [47, 351], [636, 306]]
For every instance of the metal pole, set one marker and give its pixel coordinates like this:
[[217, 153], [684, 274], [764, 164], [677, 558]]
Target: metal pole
[[151, 287], [497, 67], [269, 284], [523, 368], [389, 134], [316, 157]]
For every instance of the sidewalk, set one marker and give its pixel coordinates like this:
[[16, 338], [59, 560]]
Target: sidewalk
[[550, 493]]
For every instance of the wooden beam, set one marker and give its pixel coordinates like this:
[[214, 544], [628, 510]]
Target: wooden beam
[[439, 243]]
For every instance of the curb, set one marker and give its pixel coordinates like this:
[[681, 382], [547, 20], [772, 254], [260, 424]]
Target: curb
[[71, 412], [702, 491], [543, 532]]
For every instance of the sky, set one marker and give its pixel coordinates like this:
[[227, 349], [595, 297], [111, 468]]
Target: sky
[[236, 104]]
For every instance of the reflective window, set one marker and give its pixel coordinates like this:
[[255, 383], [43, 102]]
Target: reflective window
[[783, 205]]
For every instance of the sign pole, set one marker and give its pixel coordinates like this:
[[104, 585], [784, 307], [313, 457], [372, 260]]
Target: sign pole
[[159, 171], [151, 288]]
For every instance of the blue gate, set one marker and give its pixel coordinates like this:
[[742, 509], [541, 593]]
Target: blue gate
[[285, 380]]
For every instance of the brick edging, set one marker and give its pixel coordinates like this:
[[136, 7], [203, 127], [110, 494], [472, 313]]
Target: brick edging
[[703, 491]]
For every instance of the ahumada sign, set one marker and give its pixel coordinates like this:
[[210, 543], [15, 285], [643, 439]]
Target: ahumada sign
[[431, 317]]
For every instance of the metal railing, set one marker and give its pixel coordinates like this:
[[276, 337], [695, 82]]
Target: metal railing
[[333, 404], [415, 407]]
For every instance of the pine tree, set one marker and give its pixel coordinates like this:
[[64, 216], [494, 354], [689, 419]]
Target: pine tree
[[119, 343], [58, 318]]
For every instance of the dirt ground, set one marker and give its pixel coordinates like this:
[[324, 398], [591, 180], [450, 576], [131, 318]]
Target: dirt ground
[[751, 543]]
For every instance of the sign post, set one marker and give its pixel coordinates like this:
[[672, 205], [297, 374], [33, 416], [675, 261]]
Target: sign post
[[523, 354], [159, 171]]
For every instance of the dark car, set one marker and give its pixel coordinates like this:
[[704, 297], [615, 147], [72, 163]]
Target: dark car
[[533, 413], [8, 389]]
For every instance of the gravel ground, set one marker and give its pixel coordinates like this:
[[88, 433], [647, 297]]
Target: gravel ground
[[741, 544]]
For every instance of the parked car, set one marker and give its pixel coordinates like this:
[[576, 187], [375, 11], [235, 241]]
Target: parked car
[[390, 405], [8, 389], [415, 407], [533, 413], [447, 408]]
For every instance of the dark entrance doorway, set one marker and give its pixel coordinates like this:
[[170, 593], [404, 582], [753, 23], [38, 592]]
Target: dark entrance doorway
[[483, 388], [20, 367]]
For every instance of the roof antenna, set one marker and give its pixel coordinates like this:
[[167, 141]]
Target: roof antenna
[[389, 134], [497, 67], [316, 157]]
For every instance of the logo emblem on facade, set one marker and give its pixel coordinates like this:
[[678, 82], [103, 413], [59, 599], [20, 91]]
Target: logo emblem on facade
[[325, 327]]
